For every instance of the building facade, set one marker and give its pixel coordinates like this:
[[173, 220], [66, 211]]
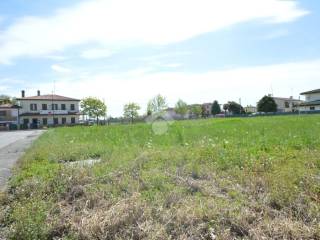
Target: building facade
[[312, 102], [287, 104], [206, 109], [47, 110], [9, 115], [250, 109]]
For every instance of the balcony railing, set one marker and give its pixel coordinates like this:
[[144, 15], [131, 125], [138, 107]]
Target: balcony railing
[[50, 112]]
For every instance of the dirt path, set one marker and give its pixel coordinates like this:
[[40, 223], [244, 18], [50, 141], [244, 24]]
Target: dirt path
[[12, 146]]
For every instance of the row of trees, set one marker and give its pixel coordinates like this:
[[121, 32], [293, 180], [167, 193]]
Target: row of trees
[[5, 99], [95, 108]]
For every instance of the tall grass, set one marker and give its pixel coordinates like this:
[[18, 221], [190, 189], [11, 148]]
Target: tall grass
[[224, 178]]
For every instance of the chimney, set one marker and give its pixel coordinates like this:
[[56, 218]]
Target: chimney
[[291, 97], [23, 94], [38, 92]]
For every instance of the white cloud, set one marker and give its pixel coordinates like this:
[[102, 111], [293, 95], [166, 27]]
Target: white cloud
[[4, 81], [173, 65], [60, 69], [249, 84], [119, 23], [276, 34], [9, 84], [3, 88], [56, 57], [163, 56], [96, 53]]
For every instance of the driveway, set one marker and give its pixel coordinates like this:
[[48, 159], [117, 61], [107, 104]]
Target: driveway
[[12, 146]]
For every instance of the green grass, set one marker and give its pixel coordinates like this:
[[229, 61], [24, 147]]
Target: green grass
[[231, 178]]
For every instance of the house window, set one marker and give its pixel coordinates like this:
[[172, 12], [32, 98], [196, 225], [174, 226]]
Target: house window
[[72, 107], [26, 121], [3, 113], [64, 120], [33, 107], [73, 120], [312, 108], [54, 106], [44, 107], [45, 121], [286, 105], [63, 107], [55, 121]]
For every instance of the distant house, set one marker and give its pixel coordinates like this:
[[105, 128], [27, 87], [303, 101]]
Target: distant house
[[206, 109], [287, 104], [170, 113], [312, 102], [9, 114], [47, 110], [250, 109]]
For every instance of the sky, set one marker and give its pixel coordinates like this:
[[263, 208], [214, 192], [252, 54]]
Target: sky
[[129, 51]]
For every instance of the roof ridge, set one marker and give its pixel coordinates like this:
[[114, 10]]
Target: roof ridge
[[49, 97]]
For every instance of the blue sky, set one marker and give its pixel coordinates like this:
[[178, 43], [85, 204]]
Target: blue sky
[[123, 51]]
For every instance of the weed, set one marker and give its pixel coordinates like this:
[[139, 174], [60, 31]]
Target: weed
[[224, 178]]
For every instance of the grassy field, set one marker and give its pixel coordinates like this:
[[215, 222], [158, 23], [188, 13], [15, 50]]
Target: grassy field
[[256, 178]]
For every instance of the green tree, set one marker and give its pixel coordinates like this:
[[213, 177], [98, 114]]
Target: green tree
[[181, 107], [157, 105], [130, 110], [233, 107], [196, 110], [93, 107], [4, 99], [267, 104], [215, 109], [225, 107]]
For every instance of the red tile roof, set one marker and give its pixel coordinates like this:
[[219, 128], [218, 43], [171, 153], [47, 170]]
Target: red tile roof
[[49, 97]]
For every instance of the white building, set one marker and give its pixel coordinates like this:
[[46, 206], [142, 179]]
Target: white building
[[287, 104], [207, 109], [47, 110], [312, 102], [250, 109]]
